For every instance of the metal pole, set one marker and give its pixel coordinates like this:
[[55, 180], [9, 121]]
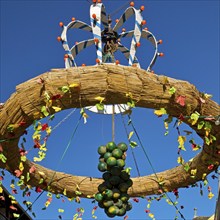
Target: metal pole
[[113, 123], [217, 209]]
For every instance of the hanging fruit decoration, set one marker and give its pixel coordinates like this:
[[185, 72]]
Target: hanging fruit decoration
[[112, 194]]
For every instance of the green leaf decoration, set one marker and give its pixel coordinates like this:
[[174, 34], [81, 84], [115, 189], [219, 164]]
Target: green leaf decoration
[[205, 182], [186, 167], [44, 111], [41, 181], [172, 90], [131, 104], [61, 210], [207, 128], [28, 176], [23, 158], [52, 117], [12, 127], [3, 158], [20, 183], [58, 196], [100, 107], [200, 125], [166, 133], [65, 89], [194, 118], [133, 144], [207, 141]]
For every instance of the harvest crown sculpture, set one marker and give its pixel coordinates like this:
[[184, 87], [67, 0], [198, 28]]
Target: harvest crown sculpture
[[112, 42]]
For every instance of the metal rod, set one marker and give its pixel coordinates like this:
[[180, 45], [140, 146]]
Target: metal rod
[[113, 123]]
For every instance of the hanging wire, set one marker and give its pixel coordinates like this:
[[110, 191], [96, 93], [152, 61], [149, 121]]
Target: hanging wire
[[132, 150], [58, 124], [113, 123], [119, 9], [54, 173], [151, 165]]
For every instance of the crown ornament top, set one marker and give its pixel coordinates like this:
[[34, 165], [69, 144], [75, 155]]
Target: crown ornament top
[[107, 41]]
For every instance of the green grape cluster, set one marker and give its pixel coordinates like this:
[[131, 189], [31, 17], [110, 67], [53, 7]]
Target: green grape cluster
[[112, 194]]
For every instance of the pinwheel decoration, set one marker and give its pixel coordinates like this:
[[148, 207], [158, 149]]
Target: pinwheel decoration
[[108, 41]]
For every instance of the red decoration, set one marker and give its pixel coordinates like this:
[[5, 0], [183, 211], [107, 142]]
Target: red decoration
[[211, 167], [181, 100], [143, 22], [22, 123], [142, 8], [59, 38], [55, 97], [13, 208], [18, 173], [138, 44], [96, 40], [32, 169], [132, 4], [38, 189]]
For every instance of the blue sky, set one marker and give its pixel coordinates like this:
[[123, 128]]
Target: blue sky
[[190, 34]]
